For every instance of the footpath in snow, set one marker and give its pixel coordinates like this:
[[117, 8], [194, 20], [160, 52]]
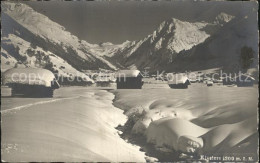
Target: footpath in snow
[[78, 124]]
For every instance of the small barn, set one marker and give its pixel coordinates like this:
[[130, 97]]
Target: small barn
[[209, 83], [228, 80], [244, 81], [178, 81], [129, 79], [34, 82]]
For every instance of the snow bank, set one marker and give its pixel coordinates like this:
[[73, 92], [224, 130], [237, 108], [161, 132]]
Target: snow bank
[[204, 120], [167, 131], [226, 137], [77, 125]]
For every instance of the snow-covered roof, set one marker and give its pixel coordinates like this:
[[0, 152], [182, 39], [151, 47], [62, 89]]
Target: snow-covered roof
[[31, 76], [177, 78], [127, 73], [209, 82]]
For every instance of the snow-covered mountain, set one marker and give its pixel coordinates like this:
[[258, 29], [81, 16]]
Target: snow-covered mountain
[[223, 18], [108, 49], [36, 31], [179, 45], [175, 45], [162, 46]]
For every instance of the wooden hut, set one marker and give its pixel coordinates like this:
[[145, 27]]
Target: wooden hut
[[209, 83], [178, 81], [34, 82], [129, 79], [244, 80], [228, 80]]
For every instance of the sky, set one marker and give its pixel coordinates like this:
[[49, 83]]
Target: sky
[[116, 22]]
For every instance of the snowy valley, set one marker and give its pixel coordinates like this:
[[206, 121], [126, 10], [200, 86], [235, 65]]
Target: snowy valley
[[172, 102]]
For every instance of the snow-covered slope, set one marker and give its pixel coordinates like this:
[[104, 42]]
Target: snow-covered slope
[[186, 35], [43, 32], [7, 61], [37, 57]]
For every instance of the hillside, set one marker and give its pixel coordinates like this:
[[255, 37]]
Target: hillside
[[22, 21]]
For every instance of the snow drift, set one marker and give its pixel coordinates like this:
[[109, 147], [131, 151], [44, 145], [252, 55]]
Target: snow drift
[[200, 120], [77, 125]]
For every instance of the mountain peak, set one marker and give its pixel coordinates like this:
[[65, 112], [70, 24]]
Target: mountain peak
[[182, 35], [223, 18]]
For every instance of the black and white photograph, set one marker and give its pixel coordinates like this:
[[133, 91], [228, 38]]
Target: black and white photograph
[[129, 81]]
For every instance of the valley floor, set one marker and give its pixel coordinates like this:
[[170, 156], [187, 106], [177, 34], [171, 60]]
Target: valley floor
[[86, 124], [78, 124]]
